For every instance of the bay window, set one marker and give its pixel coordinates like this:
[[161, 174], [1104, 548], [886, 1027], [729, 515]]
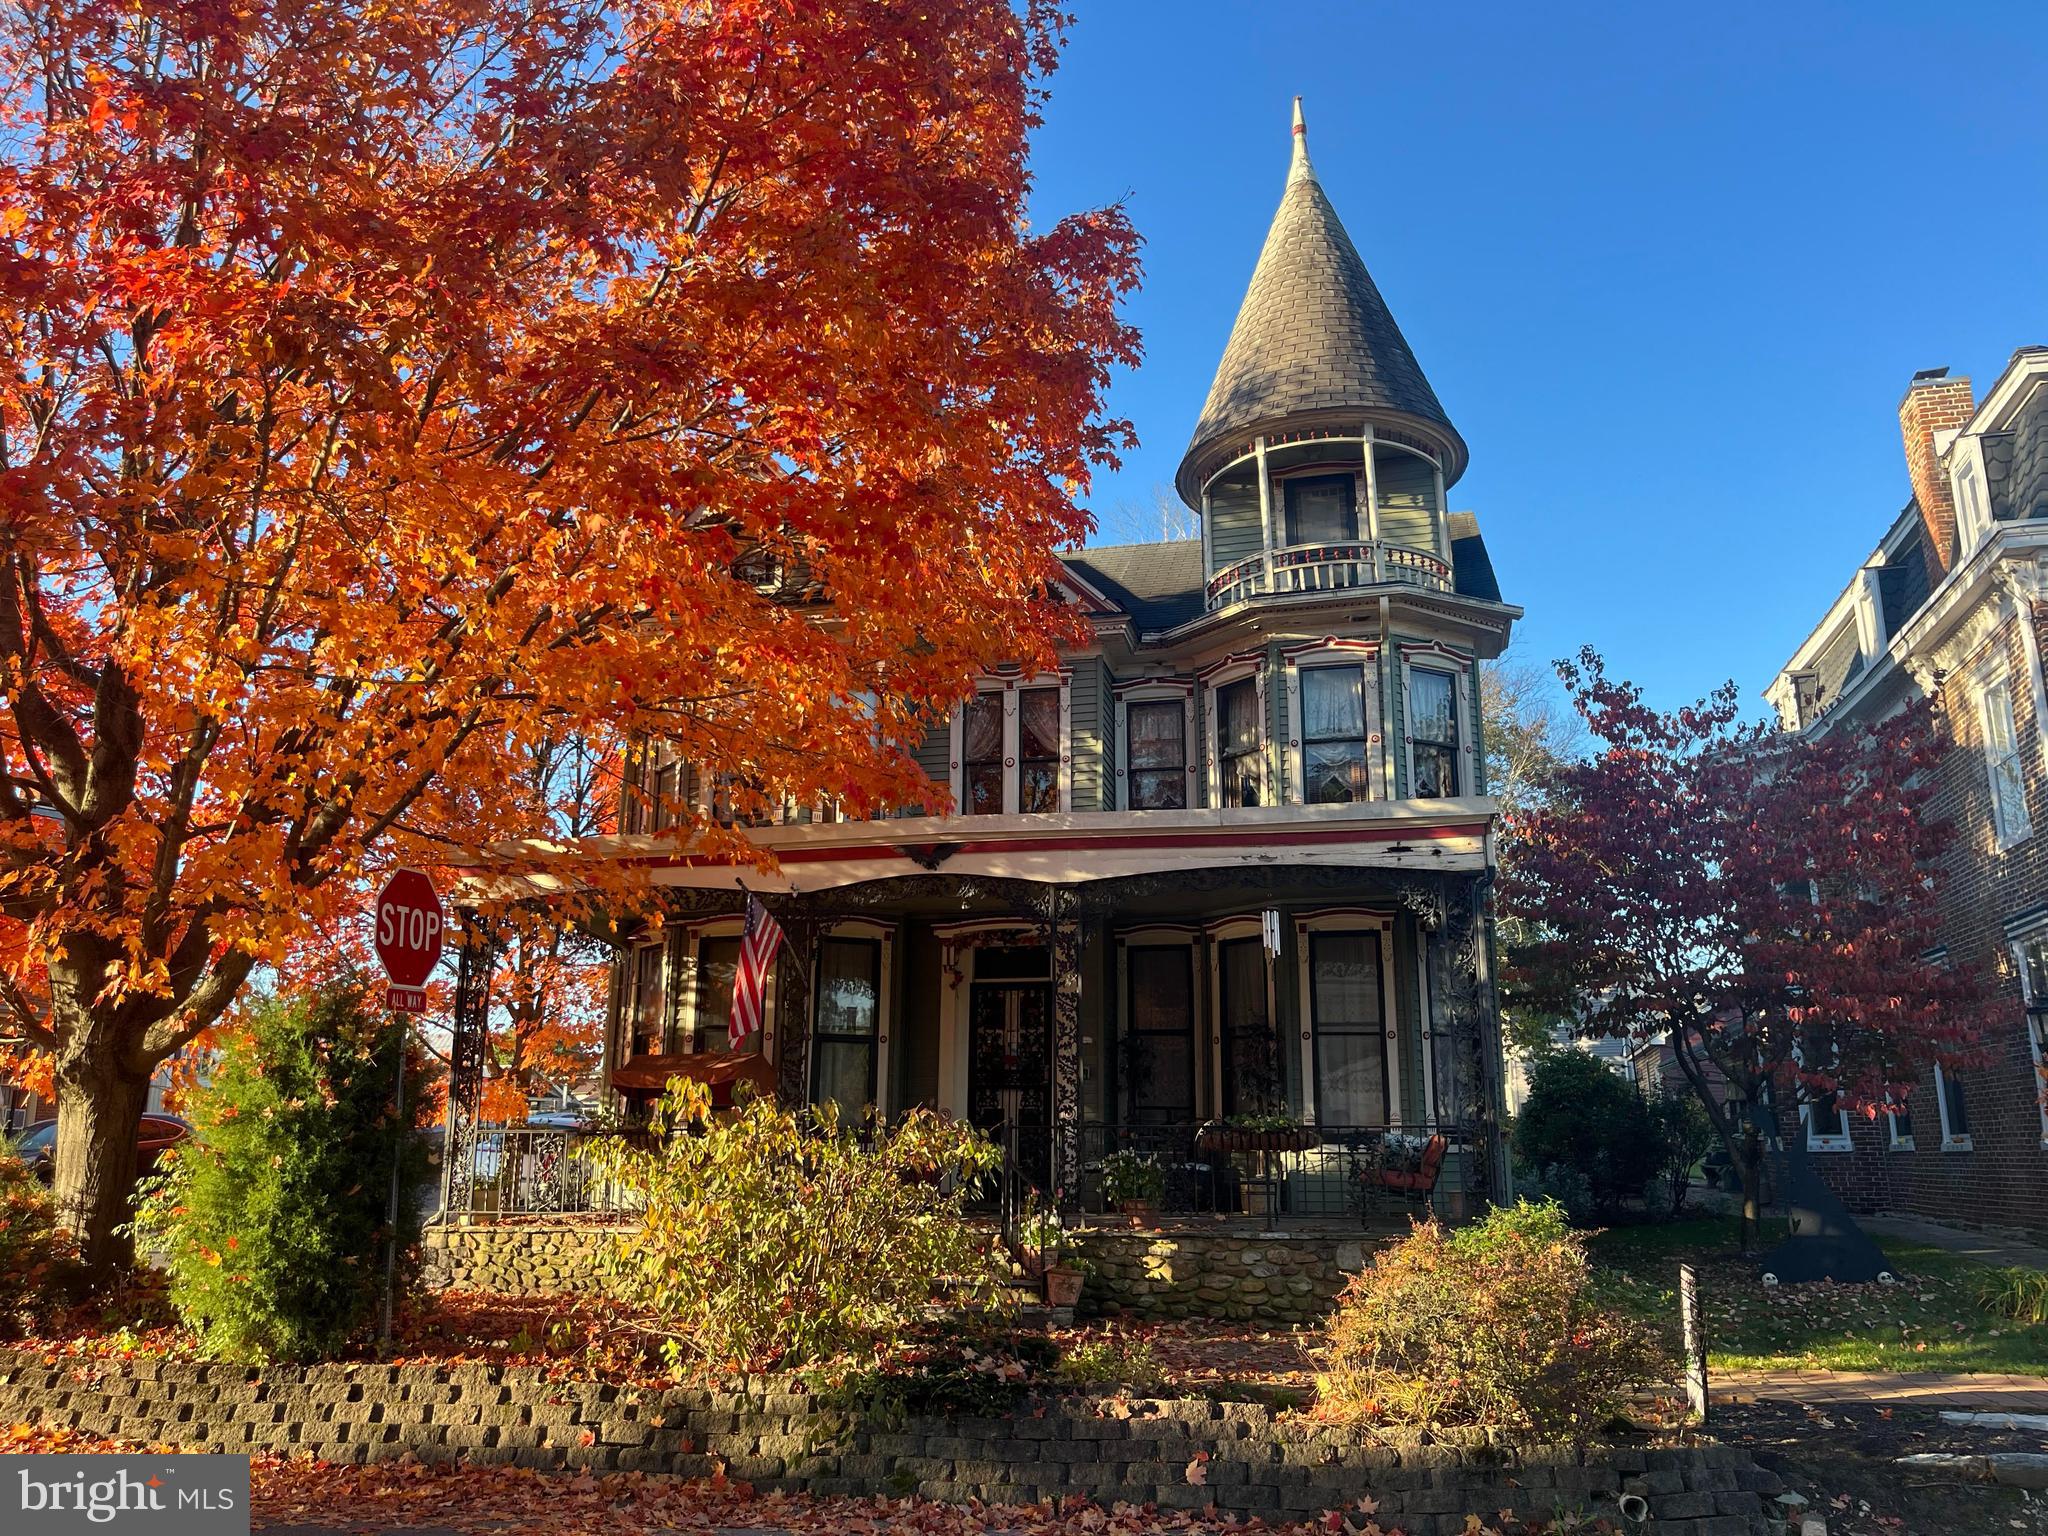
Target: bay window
[[1433, 734], [1240, 742], [982, 755], [1333, 735], [1038, 749], [1157, 751]]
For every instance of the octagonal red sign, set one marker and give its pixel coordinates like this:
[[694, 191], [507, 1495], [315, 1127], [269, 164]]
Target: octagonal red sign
[[408, 937]]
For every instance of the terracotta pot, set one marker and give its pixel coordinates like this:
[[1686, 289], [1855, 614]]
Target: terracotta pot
[[1062, 1287], [1140, 1211]]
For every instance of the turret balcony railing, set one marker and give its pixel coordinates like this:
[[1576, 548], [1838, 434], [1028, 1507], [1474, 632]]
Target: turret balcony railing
[[1327, 568]]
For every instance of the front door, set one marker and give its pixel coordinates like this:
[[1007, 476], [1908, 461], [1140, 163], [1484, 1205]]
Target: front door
[[1009, 1068]]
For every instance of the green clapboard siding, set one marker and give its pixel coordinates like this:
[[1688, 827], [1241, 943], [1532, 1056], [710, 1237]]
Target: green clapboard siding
[[1087, 699], [935, 756], [1407, 500], [1235, 529]]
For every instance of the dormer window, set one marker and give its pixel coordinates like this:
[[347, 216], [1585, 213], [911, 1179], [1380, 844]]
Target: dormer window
[[1974, 519], [1321, 509]]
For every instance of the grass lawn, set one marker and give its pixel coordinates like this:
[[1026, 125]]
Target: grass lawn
[[1930, 1321]]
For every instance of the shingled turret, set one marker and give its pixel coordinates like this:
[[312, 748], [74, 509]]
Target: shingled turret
[[1314, 346]]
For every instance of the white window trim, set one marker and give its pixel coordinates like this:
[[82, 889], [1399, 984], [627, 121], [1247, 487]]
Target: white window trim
[[1993, 681], [864, 928], [1972, 492], [1949, 1141], [1236, 670], [1822, 1141], [1893, 1141], [1218, 934], [684, 979], [1009, 688], [1458, 669], [1332, 652], [1156, 692], [2037, 1049], [1206, 1096], [1347, 921]]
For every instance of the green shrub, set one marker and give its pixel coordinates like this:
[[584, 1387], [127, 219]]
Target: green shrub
[[1687, 1135], [1581, 1116], [773, 1239], [1112, 1360], [271, 1221], [1493, 1325], [2015, 1292], [32, 1251]]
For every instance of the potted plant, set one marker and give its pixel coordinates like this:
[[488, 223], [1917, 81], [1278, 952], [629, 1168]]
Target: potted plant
[[1047, 1253], [1064, 1279], [1133, 1183]]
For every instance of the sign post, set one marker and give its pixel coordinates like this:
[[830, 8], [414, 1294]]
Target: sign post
[[409, 925], [1695, 1342]]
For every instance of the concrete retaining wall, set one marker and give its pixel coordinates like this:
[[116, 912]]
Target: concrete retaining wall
[[1256, 1463]]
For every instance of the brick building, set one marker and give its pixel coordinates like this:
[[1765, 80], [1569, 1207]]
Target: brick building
[[1953, 603]]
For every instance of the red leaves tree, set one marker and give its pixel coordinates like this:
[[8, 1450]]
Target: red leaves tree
[[389, 388], [1764, 903]]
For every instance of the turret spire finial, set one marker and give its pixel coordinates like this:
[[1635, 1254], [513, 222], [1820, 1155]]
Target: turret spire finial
[[1300, 170]]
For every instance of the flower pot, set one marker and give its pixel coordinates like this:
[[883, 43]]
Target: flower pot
[[1062, 1287], [1141, 1212]]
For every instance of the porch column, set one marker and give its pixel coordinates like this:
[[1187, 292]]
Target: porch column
[[469, 1037], [794, 971], [1066, 1052]]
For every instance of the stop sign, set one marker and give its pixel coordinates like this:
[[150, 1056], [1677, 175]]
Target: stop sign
[[408, 937]]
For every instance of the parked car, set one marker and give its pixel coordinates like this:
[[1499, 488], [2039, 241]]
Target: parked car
[[37, 1146]]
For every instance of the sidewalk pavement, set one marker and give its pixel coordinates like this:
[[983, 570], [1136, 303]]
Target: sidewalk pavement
[[1979, 1392], [1984, 1247]]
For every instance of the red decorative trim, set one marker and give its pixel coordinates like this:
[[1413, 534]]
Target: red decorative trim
[[1369, 649]]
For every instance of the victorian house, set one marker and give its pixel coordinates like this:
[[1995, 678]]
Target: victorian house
[[1953, 604], [1230, 860]]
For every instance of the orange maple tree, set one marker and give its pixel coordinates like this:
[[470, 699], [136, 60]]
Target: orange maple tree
[[387, 387]]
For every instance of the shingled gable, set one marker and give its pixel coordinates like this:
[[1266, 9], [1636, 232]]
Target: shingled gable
[[1314, 336]]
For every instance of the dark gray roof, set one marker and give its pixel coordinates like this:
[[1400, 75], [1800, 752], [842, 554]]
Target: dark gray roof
[[1314, 335], [1471, 567], [1158, 585]]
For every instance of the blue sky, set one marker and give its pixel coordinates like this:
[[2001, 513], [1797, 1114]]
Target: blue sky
[[1669, 268]]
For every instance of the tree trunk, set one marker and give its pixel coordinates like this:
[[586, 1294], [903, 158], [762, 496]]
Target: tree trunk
[[1749, 1162], [99, 1112]]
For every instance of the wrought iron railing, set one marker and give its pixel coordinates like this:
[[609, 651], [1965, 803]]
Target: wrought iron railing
[[1316, 1173], [511, 1172], [1325, 568]]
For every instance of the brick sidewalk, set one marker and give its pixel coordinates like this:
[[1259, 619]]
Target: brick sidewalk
[[1918, 1389]]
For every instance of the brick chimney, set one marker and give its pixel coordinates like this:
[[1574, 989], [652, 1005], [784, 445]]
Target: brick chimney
[[1934, 403]]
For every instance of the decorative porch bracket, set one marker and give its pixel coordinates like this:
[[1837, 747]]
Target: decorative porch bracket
[[469, 1037]]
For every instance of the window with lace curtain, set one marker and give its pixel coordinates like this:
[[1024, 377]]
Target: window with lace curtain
[[1239, 744], [1433, 733], [1038, 749], [1157, 754], [982, 755], [1333, 756]]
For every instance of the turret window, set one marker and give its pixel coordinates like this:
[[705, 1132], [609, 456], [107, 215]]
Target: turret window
[[1237, 743], [1321, 509], [1333, 735]]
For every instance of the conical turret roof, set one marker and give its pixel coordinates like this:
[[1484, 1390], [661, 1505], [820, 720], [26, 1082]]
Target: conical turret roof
[[1314, 343]]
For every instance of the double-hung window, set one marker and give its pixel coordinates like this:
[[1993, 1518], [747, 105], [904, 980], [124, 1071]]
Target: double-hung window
[[849, 1007], [1157, 752], [1433, 733], [1160, 1045], [1239, 744], [1955, 1115], [1333, 755], [718, 963], [1321, 509], [1038, 749], [1252, 1082], [2009, 817], [650, 999], [1347, 1021], [982, 755]]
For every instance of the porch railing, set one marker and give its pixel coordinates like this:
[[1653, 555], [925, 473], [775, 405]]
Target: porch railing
[[513, 1172], [1328, 567], [1325, 1173]]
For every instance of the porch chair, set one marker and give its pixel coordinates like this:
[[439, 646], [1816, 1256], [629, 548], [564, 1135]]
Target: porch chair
[[1415, 1186]]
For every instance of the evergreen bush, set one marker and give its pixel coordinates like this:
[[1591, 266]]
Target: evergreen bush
[[1581, 1116], [769, 1238], [1493, 1325], [271, 1221]]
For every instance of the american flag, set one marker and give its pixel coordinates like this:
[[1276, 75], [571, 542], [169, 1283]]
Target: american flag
[[763, 936]]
